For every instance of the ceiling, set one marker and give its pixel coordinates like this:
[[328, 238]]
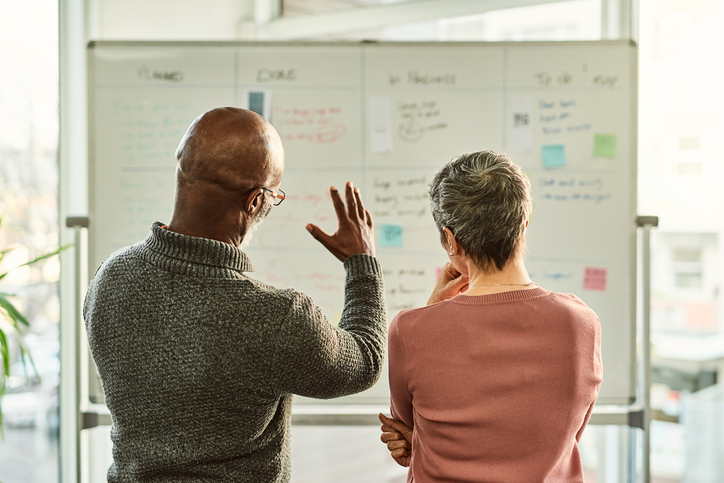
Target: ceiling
[[295, 8]]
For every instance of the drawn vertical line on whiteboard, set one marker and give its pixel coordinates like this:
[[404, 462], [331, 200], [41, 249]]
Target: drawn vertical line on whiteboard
[[236, 77], [505, 98], [363, 107]]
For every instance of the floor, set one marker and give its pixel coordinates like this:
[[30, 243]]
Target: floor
[[320, 454], [352, 454], [28, 455]]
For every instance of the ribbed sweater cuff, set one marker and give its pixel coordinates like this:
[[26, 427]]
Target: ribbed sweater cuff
[[362, 264]]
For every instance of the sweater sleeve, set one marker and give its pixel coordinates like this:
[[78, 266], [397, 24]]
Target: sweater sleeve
[[596, 375], [315, 359], [400, 397]]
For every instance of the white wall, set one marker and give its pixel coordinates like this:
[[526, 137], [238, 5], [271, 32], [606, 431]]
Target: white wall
[[169, 19]]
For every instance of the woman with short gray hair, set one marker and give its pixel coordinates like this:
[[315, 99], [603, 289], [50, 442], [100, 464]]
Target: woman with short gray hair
[[495, 379]]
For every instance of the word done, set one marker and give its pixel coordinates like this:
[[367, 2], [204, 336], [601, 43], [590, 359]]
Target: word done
[[269, 75]]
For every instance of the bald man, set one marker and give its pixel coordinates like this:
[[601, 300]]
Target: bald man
[[198, 360]]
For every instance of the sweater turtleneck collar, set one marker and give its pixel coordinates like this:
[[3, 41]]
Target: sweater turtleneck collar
[[176, 248]]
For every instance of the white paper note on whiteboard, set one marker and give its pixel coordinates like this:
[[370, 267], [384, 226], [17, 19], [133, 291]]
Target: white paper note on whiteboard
[[380, 124], [522, 132]]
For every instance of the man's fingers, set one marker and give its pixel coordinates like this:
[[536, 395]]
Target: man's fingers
[[351, 202], [360, 207], [324, 239], [338, 204], [368, 219], [400, 453], [317, 233]]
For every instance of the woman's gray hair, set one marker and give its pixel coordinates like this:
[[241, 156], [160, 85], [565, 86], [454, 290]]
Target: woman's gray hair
[[484, 199]]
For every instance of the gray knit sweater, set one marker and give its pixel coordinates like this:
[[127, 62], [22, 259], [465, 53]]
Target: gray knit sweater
[[198, 361]]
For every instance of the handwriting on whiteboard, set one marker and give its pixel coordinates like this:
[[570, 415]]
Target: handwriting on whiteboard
[[148, 74], [407, 287], [582, 76], [302, 207], [417, 118], [321, 125], [149, 132], [556, 116], [572, 189], [264, 75], [144, 199], [400, 198], [417, 78]]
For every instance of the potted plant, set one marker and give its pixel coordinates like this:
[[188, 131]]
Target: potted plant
[[16, 319]]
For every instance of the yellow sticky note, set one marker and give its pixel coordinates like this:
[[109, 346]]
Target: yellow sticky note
[[336, 317]]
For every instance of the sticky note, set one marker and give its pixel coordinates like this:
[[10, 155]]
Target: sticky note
[[390, 235], [522, 124], [595, 278], [438, 272], [380, 124], [605, 145], [554, 156], [336, 317]]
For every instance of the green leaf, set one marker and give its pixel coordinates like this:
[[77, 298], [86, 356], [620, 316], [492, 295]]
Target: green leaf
[[25, 352], [5, 251], [41, 257], [15, 316], [5, 353]]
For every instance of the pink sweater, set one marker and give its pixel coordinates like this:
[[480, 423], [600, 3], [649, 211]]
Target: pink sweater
[[498, 388]]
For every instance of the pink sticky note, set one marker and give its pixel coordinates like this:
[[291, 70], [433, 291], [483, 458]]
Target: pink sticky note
[[595, 278], [438, 272]]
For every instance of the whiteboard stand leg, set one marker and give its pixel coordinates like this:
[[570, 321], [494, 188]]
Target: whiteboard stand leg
[[646, 223], [77, 223]]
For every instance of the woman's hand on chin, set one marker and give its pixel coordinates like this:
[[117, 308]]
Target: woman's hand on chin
[[450, 284]]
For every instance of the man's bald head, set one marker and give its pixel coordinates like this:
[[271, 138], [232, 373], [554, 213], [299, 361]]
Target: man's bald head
[[224, 160], [232, 148]]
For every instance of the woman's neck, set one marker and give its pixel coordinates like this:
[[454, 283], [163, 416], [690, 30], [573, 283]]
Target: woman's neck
[[513, 276]]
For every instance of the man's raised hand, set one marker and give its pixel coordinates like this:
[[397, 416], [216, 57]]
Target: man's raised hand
[[354, 234]]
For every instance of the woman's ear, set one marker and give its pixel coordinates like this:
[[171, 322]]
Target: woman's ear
[[451, 244]]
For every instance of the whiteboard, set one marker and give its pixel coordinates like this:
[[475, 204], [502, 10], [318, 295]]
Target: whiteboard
[[386, 116]]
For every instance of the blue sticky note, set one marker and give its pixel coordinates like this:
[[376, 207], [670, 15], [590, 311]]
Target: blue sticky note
[[554, 156], [390, 235]]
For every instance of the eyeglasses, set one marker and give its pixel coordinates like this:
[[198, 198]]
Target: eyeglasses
[[279, 195]]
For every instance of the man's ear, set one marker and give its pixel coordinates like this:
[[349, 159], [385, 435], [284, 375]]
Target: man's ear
[[254, 201]]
